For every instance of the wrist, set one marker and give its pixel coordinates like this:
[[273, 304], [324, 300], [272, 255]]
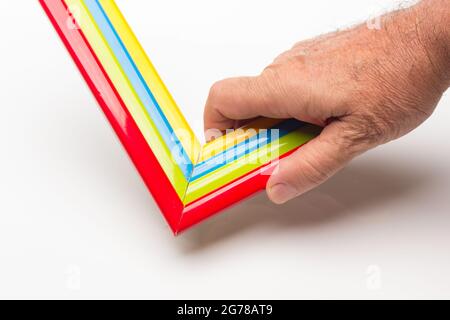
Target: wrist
[[432, 20]]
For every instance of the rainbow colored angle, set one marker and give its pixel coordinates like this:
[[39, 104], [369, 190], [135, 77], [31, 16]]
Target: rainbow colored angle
[[189, 182]]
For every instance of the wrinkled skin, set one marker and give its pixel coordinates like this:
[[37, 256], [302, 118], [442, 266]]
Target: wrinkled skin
[[365, 86]]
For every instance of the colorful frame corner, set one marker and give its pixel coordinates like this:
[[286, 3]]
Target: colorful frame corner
[[188, 181]]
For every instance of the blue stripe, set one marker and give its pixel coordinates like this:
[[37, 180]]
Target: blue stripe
[[261, 139], [166, 131], [139, 84]]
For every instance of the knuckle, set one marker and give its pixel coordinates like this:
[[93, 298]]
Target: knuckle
[[274, 79], [217, 91], [272, 71]]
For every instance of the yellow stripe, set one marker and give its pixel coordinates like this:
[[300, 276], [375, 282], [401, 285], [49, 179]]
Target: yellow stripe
[[240, 167], [127, 93], [173, 114], [235, 137]]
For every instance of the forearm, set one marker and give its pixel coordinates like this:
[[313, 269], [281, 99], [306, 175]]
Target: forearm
[[419, 36], [433, 31], [413, 45], [429, 22]]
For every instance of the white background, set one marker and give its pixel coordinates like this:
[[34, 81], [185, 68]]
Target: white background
[[76, 221]]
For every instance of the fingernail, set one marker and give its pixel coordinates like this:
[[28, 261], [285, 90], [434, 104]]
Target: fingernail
[[282, 193]]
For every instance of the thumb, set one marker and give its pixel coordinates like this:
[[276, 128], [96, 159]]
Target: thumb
[[311, 165], [243, 98]]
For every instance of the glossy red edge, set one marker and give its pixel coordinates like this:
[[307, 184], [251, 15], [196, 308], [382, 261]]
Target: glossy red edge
[[116, 112], [228, 195]]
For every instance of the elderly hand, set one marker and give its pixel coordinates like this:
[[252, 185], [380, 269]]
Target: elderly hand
[[364, 86]]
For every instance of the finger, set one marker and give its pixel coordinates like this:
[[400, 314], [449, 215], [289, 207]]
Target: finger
[[243, 98], [311, 165]]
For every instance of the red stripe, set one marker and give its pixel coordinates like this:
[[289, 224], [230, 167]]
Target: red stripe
[[116, 112]]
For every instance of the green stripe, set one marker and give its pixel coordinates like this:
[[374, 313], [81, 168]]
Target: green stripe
[[248, 163]]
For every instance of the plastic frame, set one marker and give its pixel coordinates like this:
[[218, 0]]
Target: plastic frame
[[188, 181]]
